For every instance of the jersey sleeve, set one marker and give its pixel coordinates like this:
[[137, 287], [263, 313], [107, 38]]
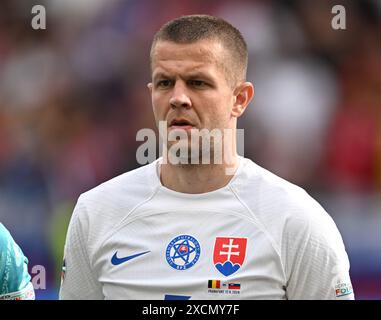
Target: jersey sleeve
[[317, 264], [14, 277], [78, 278]]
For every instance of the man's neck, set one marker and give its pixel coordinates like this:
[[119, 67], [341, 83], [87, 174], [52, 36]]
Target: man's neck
[[197, 178]]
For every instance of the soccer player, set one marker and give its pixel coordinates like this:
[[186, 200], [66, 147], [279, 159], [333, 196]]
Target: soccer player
[[220, 230], [14, 277]]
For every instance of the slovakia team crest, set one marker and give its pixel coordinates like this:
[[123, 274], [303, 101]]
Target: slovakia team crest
[[229, 254], [183, 252]]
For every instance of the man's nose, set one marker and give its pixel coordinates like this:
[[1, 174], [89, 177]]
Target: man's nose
[[179, 96]]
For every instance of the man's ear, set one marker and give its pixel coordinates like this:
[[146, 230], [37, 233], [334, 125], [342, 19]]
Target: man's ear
[[243, 94], [149, 86]]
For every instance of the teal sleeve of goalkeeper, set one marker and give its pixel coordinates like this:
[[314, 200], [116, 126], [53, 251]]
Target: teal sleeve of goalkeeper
[[14, 277]]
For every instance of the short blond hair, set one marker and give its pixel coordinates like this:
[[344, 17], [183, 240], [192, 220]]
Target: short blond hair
[[193, 28]]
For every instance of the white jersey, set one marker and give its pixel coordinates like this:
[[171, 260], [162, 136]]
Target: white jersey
[[259, 237]]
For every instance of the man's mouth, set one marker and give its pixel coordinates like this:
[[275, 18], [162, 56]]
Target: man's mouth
[[180, 123]]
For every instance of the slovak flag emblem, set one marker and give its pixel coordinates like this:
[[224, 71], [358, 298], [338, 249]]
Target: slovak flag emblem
[[229, 254]]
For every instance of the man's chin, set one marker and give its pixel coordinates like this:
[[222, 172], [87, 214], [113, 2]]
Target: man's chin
[[185, 155]]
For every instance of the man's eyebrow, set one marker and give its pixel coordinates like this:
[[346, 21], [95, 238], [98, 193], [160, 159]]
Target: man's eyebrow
[[160, 75], [194, 75]]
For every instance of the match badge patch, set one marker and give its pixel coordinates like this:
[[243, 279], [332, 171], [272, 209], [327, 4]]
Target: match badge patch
[[229, 254], [222, 287], [343, 289], [183, 252]]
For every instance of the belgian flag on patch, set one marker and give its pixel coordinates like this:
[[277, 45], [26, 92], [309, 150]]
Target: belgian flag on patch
[[214, 284]]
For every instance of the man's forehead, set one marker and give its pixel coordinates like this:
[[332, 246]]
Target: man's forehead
[[200, 52]]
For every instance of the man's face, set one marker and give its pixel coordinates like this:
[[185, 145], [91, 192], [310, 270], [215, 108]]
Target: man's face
[[189, 86]]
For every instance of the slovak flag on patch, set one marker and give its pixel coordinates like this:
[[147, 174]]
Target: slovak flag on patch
[[229, 254]]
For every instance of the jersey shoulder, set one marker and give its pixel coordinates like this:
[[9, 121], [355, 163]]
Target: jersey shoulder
[[280, 206], [265, 191], [102, 209], [137, 183]]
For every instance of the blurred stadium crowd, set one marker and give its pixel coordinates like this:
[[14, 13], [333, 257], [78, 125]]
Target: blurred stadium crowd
[[73, 96]]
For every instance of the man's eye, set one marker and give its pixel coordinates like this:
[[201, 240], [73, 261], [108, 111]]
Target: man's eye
[[163, 83], [197, 83]]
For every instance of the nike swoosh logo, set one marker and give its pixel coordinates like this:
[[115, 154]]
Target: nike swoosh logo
[[117, 261]]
